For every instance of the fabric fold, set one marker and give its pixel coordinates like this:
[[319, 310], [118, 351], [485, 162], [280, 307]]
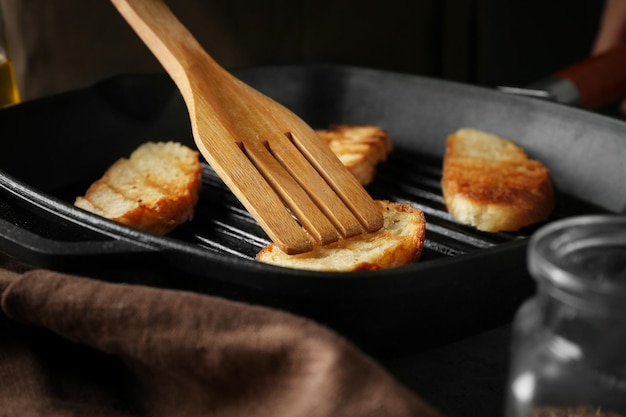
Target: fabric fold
[[177, 353]]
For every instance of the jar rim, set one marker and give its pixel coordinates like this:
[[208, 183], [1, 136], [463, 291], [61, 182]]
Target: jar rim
[[551, 247]]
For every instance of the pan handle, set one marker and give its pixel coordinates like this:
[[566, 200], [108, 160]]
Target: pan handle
[[589, 84], [44, 252], [45, 240], [600, 79]]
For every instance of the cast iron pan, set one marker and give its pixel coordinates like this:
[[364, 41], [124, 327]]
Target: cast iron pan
[[466, 281]]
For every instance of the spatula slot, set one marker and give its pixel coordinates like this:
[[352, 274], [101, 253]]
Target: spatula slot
[[296, 198]]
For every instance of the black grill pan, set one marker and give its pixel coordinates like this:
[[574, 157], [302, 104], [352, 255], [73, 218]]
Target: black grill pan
[[466, 280]]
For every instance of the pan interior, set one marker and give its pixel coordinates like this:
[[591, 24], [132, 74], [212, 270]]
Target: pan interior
[[77, 136]]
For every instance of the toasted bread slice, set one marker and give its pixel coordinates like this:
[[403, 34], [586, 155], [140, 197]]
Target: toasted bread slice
[[155, 189], [359, 147], [398, 243], [490, 183]]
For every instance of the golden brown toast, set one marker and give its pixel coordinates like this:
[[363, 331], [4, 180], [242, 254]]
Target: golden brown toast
[[398, 243], [490, 183], [359, 147], [154, 190]]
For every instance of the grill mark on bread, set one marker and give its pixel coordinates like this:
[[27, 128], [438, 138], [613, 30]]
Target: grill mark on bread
[[489, 182], [147, 182], [154, 190]]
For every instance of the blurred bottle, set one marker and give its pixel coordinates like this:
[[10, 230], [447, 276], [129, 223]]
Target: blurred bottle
[[9, 93]]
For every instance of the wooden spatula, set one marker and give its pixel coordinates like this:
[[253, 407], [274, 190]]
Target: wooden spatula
[[273, 162]]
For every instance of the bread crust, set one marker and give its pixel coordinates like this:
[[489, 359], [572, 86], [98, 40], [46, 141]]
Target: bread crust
[[399, 242], [359, 147], [490, 183], [155, 189]]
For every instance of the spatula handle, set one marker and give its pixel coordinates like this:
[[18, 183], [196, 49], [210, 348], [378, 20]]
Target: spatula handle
[[169, 40]]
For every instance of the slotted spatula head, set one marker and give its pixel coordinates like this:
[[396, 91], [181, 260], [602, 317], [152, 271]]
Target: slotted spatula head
[[275, 164]]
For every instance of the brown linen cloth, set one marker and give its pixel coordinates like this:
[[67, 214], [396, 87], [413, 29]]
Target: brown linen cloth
[[74, 346]]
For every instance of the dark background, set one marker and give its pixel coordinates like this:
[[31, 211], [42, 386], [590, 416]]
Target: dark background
[[66, 44]]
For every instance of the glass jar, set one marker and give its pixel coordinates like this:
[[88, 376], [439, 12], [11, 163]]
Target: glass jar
[[568, 355]]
